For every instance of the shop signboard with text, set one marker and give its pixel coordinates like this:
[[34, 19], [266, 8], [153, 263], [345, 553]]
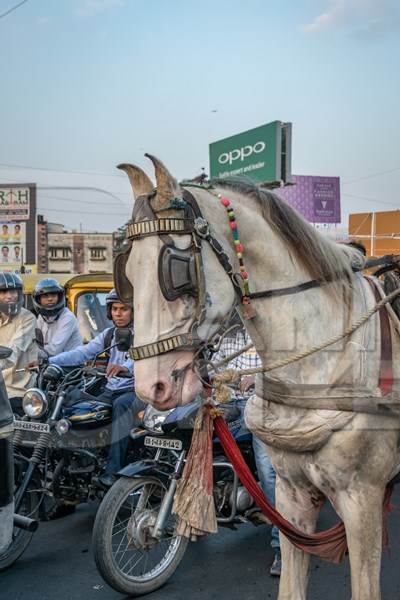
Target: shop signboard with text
[[17, 226], [263, 154], [15, 203]]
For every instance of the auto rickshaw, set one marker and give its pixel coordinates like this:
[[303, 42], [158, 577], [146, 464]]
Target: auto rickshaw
[[85, 295]]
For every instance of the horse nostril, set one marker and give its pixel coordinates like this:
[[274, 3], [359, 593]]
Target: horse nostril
[[160, 391]]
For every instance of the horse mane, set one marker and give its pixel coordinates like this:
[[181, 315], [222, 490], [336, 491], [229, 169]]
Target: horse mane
[[322, 258]]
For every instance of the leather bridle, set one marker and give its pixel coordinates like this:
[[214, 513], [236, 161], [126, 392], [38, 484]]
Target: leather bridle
[[189, 275]]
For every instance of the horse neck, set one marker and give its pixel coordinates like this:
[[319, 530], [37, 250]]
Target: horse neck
[[280, 322]]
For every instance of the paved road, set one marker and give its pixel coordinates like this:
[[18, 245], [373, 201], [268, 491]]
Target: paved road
[[231, 565]]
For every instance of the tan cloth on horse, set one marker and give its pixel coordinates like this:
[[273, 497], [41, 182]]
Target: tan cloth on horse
[[296, 430], [18, 333], [280, 413]]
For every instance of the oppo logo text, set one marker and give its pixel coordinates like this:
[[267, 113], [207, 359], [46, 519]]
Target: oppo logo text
[[241, 153]]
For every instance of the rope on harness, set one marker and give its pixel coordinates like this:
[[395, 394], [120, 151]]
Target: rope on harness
[[229, 376]]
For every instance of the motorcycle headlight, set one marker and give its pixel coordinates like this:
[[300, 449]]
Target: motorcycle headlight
[[153, 419], [34, 403]]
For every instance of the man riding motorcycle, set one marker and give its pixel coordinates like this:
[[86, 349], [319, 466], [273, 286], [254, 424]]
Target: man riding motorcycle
[[119, 392], [59, 326], [17, 331]]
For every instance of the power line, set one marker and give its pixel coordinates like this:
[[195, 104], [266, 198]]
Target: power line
[[371, 176], [79, 201], [10, 10], [81, 212], [79, 188], [76, 188], [102, 174], [370, 199]]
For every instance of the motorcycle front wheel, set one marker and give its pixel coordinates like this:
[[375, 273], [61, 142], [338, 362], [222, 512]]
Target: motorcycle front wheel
[[128, 558]]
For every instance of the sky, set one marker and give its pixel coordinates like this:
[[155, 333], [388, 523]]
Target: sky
[[87, 84]]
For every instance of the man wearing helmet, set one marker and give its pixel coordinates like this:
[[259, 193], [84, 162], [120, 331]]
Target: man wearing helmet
[[119, 392], [17, 331], [58, 324]]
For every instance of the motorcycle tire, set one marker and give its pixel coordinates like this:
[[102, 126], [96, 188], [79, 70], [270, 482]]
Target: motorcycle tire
[[114, 551], [21, 538]]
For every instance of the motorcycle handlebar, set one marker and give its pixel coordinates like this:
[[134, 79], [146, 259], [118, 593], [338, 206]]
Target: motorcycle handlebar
[[101, 372]]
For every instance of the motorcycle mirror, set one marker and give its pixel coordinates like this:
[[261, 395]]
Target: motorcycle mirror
[[39, 337], [123, 338]]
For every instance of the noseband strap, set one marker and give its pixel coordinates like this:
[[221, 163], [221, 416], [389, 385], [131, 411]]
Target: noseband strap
[[180, 341]]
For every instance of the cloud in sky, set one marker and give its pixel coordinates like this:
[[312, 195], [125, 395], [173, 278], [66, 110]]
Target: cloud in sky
[[367, 17], [91, 7]]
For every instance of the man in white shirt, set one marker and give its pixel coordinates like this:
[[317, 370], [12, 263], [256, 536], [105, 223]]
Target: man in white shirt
[[17, 331], [59, 326]]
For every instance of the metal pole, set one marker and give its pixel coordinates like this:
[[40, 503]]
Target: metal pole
[[373, 232]]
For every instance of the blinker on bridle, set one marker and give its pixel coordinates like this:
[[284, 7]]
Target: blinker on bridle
[[181, 271]]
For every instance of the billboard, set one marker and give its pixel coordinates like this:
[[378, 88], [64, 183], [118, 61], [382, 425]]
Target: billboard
[[15, 203], [263, 153], [378, 231], [17, 226], [13, 245], [316, 198]]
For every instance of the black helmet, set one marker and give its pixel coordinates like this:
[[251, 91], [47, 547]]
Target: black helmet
[[48, 286], [112, 297], [9, 281]]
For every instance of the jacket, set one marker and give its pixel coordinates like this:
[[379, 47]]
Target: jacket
[[18, 333]]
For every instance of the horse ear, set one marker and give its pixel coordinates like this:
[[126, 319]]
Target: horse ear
[[141, 184], [167, 186]]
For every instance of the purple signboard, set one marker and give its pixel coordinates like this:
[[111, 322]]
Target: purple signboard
[[316, 198]]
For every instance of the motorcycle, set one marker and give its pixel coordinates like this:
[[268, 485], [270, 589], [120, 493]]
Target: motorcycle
[[9, 521], [60, 446], [135, 544]]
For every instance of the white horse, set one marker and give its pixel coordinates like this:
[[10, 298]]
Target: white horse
[[318, 453]]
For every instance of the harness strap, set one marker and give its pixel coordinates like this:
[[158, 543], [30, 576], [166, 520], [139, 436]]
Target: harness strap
[[302, 287], [386, 367], [180, 341], [165, 225]]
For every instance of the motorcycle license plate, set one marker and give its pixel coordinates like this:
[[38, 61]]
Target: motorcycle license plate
[[154, 442], [32, 426]]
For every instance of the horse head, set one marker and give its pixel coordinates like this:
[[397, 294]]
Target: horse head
[[180, 290]]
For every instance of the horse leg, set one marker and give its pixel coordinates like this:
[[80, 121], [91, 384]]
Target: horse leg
[[362, 512], [300, 504]]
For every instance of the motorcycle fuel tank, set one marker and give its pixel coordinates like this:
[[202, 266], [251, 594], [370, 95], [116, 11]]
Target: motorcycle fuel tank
[[88, 414]]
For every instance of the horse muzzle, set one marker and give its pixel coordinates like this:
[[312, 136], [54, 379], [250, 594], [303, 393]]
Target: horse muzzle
[[166, 383]]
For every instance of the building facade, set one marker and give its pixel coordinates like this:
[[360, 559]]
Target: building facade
[[71, 252]]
